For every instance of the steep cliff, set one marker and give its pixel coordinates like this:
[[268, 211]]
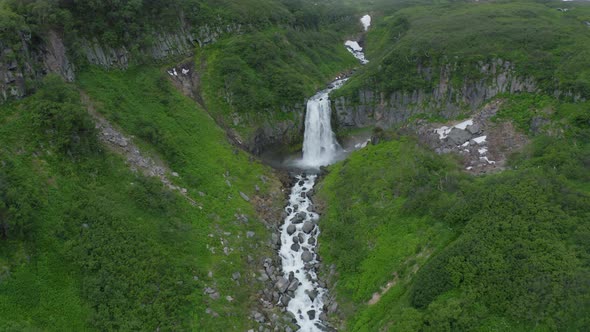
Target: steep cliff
[[451, 95], [24, 62], [164, 45]]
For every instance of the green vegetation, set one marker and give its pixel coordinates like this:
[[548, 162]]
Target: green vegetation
[[89, 245], [507, 251], [242, 76], [409, 47]]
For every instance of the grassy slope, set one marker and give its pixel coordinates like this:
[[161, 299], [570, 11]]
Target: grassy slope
[[543, 42], [508, 251], [144, 259]]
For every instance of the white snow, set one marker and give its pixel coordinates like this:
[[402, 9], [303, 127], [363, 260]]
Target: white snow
[[465, 144], [483, 150], [491, 162], [185, 71], [444, 131], [353, 45], [174, 71], [469, 168], [366, 21], [464, 124], [480, 139], [356, 50]]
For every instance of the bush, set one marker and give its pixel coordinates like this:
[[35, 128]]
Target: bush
[[59, 117]]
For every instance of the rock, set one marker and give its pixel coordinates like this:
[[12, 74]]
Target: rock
[[258, 317], [473, 129], [285, 299], [282, 284], [311, 241], [332, 308], [301, 237], [307, 256], [312, 294], [245, 197], [236, 275], [311, 314], [291, 229], [295, 247], [275, 239], [323, 316], [308, 227], [208, 311], [229, 298], [295, 239], [250, 234], [458, 136], [299, 217], [215, 296], [293, 285]]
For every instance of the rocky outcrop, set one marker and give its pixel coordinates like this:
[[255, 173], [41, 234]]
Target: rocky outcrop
[[446, 98], [275, 132], [25, 62], [177, 43]]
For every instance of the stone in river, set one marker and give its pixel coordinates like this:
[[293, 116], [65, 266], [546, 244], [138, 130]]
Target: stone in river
[[291, 229], [307, 256]]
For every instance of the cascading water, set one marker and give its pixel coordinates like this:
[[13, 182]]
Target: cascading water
[[299, 286], [320, 147]]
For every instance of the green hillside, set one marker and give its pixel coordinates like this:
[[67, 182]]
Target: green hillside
[[91, 245], [507, 251], [550, 45]]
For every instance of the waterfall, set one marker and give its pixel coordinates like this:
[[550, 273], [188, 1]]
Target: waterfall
[[299, 288], [320, 147]]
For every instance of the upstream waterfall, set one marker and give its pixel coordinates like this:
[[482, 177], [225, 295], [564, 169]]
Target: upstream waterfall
[[320, 147], [299, 287]]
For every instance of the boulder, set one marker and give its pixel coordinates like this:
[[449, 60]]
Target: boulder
[[291, 229], [307, 256], [458, 136], [295, 247], [282, 284], [308, 227], [473, 129]]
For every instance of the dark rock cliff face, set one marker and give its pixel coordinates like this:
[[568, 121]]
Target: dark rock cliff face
[[283, 132], [181, 42], [24, 63], [445, 99]]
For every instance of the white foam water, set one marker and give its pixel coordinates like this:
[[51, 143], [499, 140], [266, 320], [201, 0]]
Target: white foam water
[[298, 244], [320, 147]]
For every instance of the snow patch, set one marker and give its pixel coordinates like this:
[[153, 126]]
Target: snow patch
[[491, 162], [483, 150], [366, 21], [444, 131], [480, 139]]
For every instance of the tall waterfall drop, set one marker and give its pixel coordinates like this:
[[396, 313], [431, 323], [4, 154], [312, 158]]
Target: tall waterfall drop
[[320, 147]]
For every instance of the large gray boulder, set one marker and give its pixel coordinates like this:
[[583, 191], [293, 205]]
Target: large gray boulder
[[308, 227], [458, 136], [307, 256]]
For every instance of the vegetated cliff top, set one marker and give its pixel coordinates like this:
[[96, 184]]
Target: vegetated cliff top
[[546, 40]]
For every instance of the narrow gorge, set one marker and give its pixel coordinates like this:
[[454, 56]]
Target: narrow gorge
[[299, 286]]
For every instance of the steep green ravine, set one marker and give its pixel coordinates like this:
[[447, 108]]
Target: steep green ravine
[[110, 249]]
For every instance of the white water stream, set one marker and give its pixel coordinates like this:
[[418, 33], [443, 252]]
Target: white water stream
[[300, 230]]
